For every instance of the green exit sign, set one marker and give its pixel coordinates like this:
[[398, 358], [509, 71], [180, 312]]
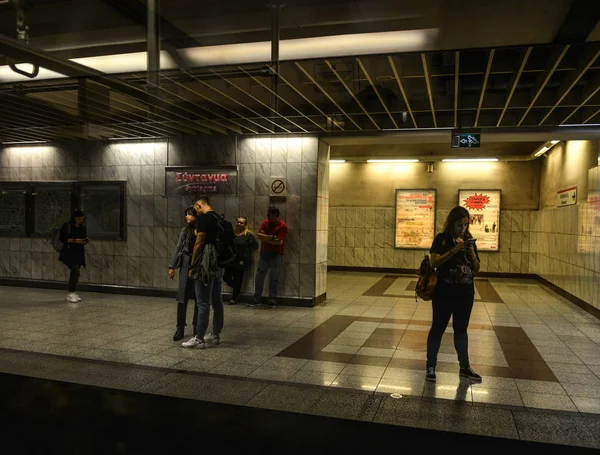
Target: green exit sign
[[465, 140]]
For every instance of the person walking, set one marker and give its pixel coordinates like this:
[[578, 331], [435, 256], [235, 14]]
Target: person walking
[[454, 255], [73, 235], [271, 233], [245, 244], [182, 260], [207, 276]]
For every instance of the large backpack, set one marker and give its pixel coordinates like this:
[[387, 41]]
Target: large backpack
[[226, 249], [427, 280], [54, 238]]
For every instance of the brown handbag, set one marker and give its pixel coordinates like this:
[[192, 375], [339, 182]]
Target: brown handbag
[[427, 280]]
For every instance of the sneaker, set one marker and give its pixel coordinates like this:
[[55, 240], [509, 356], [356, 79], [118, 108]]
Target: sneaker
[[469, 374], [77, 297], [253, 304], [430, 376], [212, 339], [72, 297], [232, 302], [272, 304], [194, 342]]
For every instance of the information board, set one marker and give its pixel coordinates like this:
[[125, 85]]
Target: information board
[[415, 218], [484, 212]]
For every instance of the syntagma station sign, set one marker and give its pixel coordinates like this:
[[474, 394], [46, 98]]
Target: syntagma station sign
[[201, 180]]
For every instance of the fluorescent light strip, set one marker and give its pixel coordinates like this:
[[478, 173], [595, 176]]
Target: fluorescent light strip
[[554, 142], [337, 161], [140, 138], [24, 142], [447, 160], [393, 161], [257, 52]]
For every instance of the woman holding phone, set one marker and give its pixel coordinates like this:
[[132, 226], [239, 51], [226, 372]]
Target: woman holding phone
[[454, 255]]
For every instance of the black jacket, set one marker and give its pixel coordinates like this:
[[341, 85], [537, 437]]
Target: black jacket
[[72, 253]]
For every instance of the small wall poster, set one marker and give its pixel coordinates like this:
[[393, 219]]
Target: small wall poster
[[415, 218], [484, 212]]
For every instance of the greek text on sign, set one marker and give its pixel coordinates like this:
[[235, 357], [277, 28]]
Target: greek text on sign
[[277, 186], [566, 197]]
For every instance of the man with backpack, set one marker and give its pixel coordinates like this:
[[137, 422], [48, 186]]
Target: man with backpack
[[73, 237], [207, 272]]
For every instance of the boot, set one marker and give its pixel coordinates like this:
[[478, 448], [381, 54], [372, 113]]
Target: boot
[[178, 333]]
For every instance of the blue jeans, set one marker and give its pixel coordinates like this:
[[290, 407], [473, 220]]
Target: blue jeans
[[271, 264], [207, 296]]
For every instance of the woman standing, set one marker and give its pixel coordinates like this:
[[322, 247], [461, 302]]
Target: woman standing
[[454, 255], [74, 236], [245, 243], [181, 261]]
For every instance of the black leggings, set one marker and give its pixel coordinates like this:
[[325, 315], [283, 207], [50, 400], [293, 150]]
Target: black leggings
[[233, 277], [459, 308], [73, 277], [182, 306]]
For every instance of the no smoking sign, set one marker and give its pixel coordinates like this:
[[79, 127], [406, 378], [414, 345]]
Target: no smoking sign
[[277, 186]]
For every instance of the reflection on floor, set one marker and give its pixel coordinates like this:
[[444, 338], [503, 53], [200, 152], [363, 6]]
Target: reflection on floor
[[359, 356]]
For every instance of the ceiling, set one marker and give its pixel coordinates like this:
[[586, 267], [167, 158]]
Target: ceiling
[[501, 67]]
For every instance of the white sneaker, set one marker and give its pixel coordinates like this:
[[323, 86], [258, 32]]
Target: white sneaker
[[194, 342], [72, 297], [77, 297], [213, 339]]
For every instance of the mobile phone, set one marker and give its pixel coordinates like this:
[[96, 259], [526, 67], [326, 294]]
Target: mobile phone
[[471, 240]]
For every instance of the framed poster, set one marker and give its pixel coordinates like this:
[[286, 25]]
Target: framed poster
[[415, 218], [484, 212]]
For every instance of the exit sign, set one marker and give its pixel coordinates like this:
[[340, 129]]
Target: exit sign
[[465, 140]]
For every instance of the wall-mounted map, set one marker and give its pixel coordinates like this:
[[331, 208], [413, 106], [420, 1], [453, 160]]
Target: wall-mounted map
[[13, 211]]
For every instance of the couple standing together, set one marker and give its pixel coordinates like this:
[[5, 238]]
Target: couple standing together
[[201, 278]]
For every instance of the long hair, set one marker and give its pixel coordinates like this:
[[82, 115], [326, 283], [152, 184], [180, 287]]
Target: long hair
[[456, 214], [190, 227], [246, 228]]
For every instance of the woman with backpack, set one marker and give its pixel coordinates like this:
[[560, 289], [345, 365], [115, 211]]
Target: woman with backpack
[[181, 260], [245, 243], [454, 255], [73, 235]]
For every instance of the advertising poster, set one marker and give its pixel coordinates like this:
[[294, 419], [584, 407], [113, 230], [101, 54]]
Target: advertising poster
[[415, 218], [484, 211]]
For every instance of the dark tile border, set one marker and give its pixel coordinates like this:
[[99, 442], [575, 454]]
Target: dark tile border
[[306, 302]]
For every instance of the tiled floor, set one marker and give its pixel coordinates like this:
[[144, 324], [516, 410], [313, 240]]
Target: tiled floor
[[360, 356]]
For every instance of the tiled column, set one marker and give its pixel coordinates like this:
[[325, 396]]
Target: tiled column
[[322, 220]]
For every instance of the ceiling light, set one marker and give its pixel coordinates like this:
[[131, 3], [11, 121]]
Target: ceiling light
[[469, 159], [554, 142], [257, 52], [547, 146], [542, 151], [139, 138], [24, 142], [337, 161], [393, 161]]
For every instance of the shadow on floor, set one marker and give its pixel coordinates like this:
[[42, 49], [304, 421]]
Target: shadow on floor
[[43, 416]]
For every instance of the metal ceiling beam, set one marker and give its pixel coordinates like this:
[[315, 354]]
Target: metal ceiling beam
[[543, 81], [258, 81], [592, 116], [589, 91], [318, 109], [364, 70], [456, 86], [515, 84], [258, 115], [587, 60], [307, 74], [227, 81], [402, 91], [429, 92], [24, 53], [331, 67], [485, 81]]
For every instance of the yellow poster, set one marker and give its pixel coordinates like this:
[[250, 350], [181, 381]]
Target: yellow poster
[[415, 218]]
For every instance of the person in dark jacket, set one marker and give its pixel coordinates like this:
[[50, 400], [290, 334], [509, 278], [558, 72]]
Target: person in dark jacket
[[245, 243], [74, 236], [181, 261]]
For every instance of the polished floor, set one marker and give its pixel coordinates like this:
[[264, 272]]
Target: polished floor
[[359, 357]]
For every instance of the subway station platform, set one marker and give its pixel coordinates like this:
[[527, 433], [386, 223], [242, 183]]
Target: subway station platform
[[104, 376]]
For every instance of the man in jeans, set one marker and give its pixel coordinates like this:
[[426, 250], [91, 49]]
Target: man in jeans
[[271, 233], [207, 276]]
